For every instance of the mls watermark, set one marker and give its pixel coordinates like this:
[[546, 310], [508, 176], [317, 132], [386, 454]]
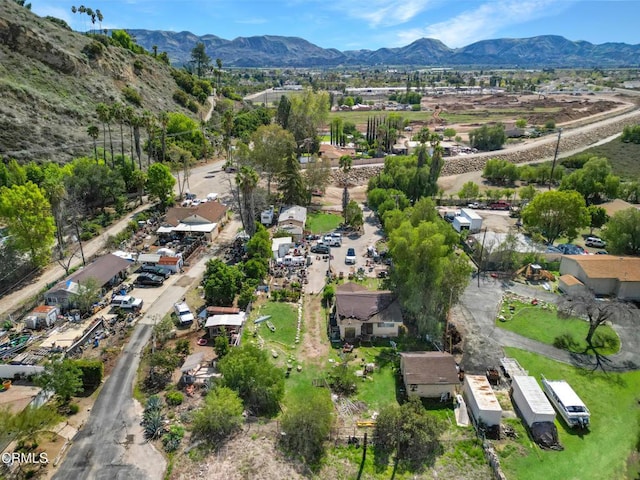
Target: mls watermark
[[21, 458]]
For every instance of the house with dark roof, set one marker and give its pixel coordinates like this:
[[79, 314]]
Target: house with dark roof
[[205, 219], [362, 313], [107, 271], [429, 374], [604, 275]]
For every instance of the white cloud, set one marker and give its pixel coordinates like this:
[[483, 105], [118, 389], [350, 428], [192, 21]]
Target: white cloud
[[381, 13], [483, 22]]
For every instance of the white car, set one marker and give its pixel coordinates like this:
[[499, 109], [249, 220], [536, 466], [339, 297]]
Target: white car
[[350, 258], [595, 242]]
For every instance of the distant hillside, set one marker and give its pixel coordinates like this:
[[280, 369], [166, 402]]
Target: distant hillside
[[49, 87], [277, 51]]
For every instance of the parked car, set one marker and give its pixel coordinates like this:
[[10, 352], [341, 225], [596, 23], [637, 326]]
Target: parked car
[[182, 311], [499, 205], [602, 252], [350, 258], [473, 205], [322, 249], [149, 280], [571, 249], [156, 270], [595, 242]]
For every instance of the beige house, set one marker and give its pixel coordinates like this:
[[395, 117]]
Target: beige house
[[363, 313], [204, 220], [429, 374], [605, 275]]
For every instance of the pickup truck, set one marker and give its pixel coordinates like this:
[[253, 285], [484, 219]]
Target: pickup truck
[[126, 302]]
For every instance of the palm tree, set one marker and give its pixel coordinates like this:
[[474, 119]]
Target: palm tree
[[104, 115], [155, 51], [118, 112], [345, 163], [163, 118], [129, 115], [247, 181], [136, 121], [150, 125], [94, 133], [218, 73]]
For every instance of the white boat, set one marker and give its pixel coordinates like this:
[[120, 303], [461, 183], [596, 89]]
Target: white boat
[[566, 402]]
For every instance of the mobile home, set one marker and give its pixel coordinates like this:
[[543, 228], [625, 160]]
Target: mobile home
[[531, 401]]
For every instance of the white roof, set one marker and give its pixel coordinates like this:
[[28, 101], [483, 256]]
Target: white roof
[[295, 212], [534, 395], [164, 230], [200, 228], [565, 393], [126, 255], [470, 214], [233, 320], [483, 393], [148, 258], [275, 244]]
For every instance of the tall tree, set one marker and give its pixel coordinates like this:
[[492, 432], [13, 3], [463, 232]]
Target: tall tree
[[218, 73], [594, 181], [62, 377], [292, 186], [247, 181], [622, 232], [272, 145], [283, 112], [345, 163], [556, 213], [308, 112], [200, 59], [160, 183], [118, 113], [259, 383], [409, 432], [27, 214], [318, 175], [104, 115], [94, 133]]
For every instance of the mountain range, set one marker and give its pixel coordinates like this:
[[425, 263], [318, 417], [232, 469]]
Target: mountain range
[[279, 51]]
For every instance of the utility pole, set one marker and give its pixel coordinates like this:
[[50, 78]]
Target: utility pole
[[481, 253], [555, 157]]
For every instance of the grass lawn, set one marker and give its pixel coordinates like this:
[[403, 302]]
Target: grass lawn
[[378, 389], [284, 317], [601, 453], [544, 326], [323, 222]]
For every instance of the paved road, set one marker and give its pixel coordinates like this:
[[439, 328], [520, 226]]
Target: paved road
[[111, 445], [479, 308]]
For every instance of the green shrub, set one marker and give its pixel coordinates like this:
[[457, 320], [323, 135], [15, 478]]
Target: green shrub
[[327, 295], [73, 408], [183, 346], [181, 98], [138, 67], [566, 341], [132, 96], [171, 440], [175, 398], [92, 372], [93, 50]]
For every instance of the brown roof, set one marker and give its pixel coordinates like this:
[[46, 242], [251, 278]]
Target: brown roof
[[168, 260], [569, 280], [355, 301], [102, 270], [429, 368], [615, 206], [210, 211], [624, 269]]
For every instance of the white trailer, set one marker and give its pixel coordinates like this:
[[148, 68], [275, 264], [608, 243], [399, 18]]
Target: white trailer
[[475, 220], [531, 401], [481, 401], [567, 402]]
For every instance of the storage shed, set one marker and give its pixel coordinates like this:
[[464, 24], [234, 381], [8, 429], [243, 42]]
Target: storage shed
[[481, 401], [467, 220], [531, 401]]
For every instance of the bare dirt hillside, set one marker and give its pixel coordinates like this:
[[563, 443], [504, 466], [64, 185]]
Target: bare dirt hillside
[[50, 87]]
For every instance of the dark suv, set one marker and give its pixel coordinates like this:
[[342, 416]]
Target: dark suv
[[156, 270], [322, 249], [149, 280]]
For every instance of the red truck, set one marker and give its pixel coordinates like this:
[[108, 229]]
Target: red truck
[[499, 205]]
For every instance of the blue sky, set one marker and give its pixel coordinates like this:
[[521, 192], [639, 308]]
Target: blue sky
[[371, 24]]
